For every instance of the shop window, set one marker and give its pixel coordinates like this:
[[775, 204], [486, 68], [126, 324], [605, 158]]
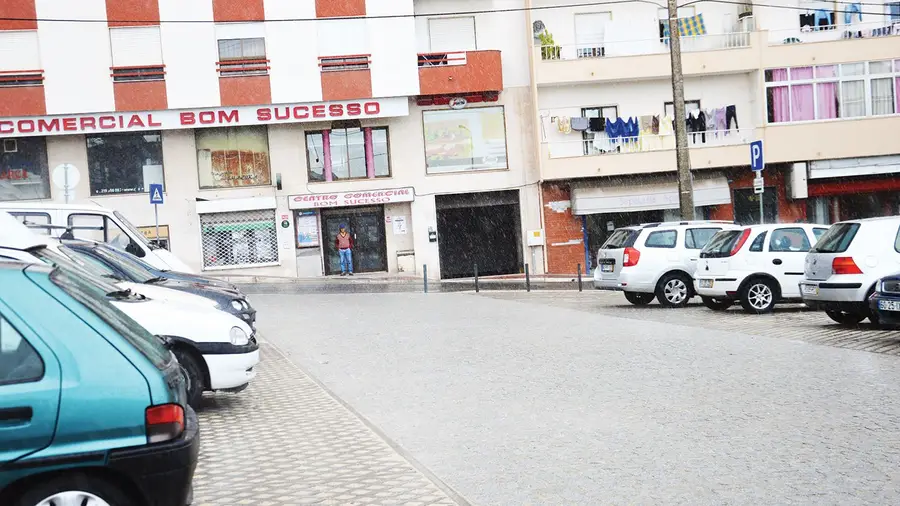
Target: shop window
[[243, 57], [124, 163], [348, 153], [465, 140], [233, 157], [19, 362], [23, 169], [662, 239], [789, 240], [239, 239]]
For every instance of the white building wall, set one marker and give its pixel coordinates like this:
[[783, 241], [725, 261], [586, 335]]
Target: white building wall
[[294, 56], [190, 54], [75, 57], [395, 70]]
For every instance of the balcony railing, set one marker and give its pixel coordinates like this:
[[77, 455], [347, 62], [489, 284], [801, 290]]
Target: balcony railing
[[13, 78], [639, 47], [841, 31], [648, 142], [441, 59]]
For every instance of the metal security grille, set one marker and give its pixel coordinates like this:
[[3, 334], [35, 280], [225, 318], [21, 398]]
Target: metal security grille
[[242, 238]]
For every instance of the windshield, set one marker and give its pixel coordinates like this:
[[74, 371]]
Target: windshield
[[93, 295], [135, 233], [55, 259], [621, 238], [837, 239], [133, 271], [720, 244]]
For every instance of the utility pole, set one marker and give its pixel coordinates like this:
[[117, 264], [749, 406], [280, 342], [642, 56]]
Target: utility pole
[[682, 157]]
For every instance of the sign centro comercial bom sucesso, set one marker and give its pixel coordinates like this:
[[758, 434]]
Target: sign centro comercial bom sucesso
[[71, 124], [356, 198]]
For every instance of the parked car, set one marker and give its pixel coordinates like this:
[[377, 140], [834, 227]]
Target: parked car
[[93, 406], [655, 260], [122, 266], [759, 266], [93, 223], [218, 351], [842, 270]]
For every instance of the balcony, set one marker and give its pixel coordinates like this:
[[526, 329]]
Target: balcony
[[831, 139], [646, 58], [843, 43], [139, 88], [22, 93], [460, 73]]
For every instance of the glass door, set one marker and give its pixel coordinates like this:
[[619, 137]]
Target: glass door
[[366, 226]]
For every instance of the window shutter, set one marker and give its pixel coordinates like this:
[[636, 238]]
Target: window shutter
[[590, 29], [452, 34], [19, 50], [135, 47]]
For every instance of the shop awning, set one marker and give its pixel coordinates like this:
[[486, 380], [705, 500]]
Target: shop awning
[[646, 195], [852, 167]]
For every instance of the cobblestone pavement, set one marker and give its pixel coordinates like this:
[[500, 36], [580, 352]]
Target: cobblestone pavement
[[789, 321], [532, 402], [285, 441]]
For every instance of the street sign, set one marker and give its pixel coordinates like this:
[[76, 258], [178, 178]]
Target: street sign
[[66, 177], [756, 156], [758, 185], [156, 193]]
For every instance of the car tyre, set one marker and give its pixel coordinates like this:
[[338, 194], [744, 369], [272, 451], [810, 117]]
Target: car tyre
[[717, 304], [674, 290], [845, 318], [639, 299], [759, 296], [74, 488], [193, 372]]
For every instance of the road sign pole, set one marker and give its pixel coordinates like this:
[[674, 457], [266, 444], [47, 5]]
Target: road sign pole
[[156, 216], [762, 217], [757, 164]]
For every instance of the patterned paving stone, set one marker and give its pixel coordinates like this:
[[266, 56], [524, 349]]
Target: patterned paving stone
[[286, 441]]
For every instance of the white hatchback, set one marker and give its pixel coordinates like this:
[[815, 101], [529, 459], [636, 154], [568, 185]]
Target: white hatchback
[[840, 273], [655, 260], [759, 265]]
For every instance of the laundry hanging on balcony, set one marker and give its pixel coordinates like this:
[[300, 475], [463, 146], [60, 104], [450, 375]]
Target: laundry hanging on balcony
[[687, 27]]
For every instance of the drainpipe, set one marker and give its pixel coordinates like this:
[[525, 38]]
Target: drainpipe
[[536, 124]]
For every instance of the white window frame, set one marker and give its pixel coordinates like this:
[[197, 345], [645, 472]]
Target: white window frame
[[582, 48]]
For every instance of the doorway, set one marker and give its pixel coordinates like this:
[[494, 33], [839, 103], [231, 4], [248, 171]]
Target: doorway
[[746, 206], [366, 226]]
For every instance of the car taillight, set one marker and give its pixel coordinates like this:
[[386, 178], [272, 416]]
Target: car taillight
[[740, 242], [631, 257], [844, 265], [164, 422]]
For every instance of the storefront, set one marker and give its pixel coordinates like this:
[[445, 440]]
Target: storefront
[[853, 188], [379, 221]]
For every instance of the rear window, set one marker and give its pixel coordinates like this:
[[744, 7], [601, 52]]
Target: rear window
[[697, 238], [837, 239], [622, 238], [661, 239], [720, 245]]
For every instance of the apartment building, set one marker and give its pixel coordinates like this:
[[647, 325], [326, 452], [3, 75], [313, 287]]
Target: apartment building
[[270, 123], [816, 81]]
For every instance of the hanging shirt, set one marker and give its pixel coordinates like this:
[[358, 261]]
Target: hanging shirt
[[597, 124], [564, 124], [580, 124]]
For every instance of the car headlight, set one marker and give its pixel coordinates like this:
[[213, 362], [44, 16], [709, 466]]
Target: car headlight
[[236, 304], [238, 336]]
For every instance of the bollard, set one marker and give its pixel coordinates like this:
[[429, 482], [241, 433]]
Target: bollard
[[579, 277], [425, 276], [476, 278], [527, 279]]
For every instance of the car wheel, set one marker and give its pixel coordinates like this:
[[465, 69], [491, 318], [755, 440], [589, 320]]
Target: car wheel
[[639, 299], [674, 290], [758, 296], [74, 488], [717, 304], [845, 318], [193, 373]]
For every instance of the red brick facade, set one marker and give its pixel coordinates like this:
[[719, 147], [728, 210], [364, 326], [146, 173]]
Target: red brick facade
[[788, 211], [564, 234]]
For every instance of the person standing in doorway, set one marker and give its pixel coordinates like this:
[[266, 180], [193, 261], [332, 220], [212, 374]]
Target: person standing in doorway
[[344, 244]]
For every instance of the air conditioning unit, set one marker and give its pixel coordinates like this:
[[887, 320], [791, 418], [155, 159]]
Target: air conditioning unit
[[10, 146], [797, 181]]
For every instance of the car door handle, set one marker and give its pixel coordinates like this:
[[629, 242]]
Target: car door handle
[[777, 261], [20, 414]]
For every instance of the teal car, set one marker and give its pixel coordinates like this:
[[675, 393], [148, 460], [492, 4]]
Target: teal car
[[92, 406]]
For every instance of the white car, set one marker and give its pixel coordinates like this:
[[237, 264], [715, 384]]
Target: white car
[[655, 260], [759, 265], [841, 272], [217, 350]]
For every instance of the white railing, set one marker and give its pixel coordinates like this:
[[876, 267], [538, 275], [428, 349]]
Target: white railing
[[637, 47], [603, 145], [841, 31]]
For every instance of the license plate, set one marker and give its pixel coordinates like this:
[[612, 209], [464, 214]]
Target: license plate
[[810, 289], [889, 305], [706, 283], [606, 267]]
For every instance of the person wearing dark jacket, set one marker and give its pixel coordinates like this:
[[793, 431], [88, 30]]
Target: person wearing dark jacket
[[344, 244]]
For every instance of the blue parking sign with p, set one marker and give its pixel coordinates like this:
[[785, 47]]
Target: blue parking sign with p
[[756, 156], [156, 193]]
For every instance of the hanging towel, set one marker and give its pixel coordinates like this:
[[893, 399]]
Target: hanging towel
[[580, 124], [687, 27], [564, 124], [596, 124]]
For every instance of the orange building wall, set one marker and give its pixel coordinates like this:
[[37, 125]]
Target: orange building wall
[[245, 90], [789, 211]]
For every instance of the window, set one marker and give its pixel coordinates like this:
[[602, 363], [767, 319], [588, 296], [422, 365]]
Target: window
[[124, 163], [92, 264], [663, 16], [789, 240], [590, 33], [99, 228], [23, 169], [621, 238], [20, 59], [465, 140], [243, 57], [897, 242], [19, 362], [136, 54], [837, 239], [233, 157], [893, 10], [348, 153], [662, 239], [452, 34], [37, 222], [689, 105], [696, 238], [239, 239], [757, 245], [339, 63], [720, 245], [608, 111], [882, 96], [819, 232]]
